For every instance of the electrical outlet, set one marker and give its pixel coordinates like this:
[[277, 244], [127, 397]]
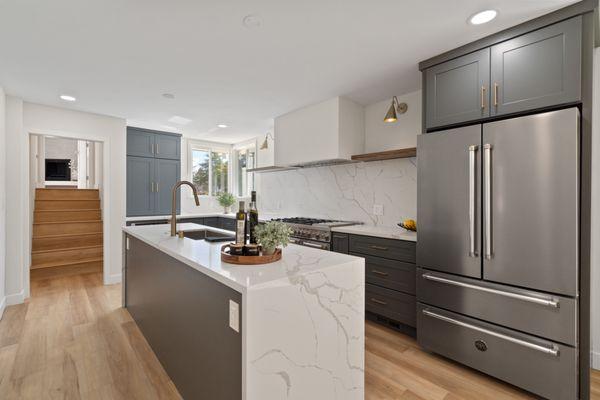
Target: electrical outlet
[[377, 209], [234, 316]]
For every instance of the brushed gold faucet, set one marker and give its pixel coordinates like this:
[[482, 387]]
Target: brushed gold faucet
[[174, 203]]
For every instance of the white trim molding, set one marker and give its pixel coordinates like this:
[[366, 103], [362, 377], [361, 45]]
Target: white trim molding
[[113, 279], [16, 298], [2, 307], [596, 360]]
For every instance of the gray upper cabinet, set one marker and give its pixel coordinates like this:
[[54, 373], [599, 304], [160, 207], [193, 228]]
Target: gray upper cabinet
[[167, 173], [153, 167], [167, 146], [539, 69], [140, 185], [140, 143], [458, 90]]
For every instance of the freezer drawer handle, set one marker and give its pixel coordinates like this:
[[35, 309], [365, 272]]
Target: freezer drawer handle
[[551, 302], [553, 351], [472, 189]]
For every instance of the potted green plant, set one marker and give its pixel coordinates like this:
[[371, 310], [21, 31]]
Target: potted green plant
[[271, 235], [226, 200]]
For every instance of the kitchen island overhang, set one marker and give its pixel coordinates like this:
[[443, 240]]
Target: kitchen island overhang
[[302, 318]]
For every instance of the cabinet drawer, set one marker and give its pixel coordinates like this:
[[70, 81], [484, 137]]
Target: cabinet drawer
[[539, 366], [391, 274], [339, 242], [227, 223], [549, 316], [212, 221], [194, 220], [391, 304], [387, 248]]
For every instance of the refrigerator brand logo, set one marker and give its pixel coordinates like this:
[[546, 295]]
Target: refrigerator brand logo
[[480, 345]]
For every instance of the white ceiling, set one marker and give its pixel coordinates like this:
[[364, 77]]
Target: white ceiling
[[119, 56]]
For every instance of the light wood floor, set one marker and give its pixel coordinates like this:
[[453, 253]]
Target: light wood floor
[[72, 340]]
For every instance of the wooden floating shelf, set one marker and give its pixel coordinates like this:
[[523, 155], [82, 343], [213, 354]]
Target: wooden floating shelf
[[386, 155]]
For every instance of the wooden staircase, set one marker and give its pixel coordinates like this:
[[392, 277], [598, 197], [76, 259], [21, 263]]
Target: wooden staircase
[[67, 230]]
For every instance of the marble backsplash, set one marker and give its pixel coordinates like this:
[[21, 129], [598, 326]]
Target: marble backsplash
[[345, 192]]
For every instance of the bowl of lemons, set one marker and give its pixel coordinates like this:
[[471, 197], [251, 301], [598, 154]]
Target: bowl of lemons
[[409, 224]]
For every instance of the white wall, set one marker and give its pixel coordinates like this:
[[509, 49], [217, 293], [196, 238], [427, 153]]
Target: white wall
[[2, 200], [27, 118], [595, 261], [381, 136]]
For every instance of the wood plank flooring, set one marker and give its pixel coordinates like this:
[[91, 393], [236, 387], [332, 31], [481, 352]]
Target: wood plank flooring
[[72, 340]]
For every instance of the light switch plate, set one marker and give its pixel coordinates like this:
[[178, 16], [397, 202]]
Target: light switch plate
[[377, 209], [234, 315]]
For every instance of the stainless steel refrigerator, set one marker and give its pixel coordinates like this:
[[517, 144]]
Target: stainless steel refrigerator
[[498, 249]]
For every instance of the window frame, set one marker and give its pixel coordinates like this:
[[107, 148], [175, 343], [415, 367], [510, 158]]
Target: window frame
[[210, 147], [249, 144]]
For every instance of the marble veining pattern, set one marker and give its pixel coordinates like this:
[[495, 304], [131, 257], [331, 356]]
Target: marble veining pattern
[[346, 192]]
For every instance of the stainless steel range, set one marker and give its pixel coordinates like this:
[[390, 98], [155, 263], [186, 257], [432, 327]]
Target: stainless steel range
[[313, 232]]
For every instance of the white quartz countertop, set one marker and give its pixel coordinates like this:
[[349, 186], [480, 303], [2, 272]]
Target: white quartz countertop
[[206, 257], [379, 231], [262, 217]]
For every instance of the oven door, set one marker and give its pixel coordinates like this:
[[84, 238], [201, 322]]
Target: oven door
[[311, 243]]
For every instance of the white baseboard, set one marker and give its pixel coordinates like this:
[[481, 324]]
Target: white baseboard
[[16, 298], [112, 279], [596, 360], [2, 306]]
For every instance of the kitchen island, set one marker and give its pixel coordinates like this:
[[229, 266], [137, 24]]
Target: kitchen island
[[293, 329]]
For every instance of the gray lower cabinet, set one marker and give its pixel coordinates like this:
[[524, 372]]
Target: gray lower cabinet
[[212, 221], [184, 316], [339, 242], [539, 69], [228, 224], [532, 71], [458, 90]]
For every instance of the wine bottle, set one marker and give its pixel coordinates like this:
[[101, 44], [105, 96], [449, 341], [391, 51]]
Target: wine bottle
[[240, 230], [252, 217]]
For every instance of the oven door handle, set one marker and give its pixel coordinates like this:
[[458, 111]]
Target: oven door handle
[[314, 245]]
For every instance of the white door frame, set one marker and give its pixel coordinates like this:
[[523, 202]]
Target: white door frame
[[104, 196]]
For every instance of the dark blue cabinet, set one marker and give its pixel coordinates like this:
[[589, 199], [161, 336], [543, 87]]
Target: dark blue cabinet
[[153, 167]]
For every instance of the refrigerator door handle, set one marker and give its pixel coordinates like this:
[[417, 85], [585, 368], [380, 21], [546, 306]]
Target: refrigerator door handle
[[472, 196], [549, 302], [553, 351], [487, 194]]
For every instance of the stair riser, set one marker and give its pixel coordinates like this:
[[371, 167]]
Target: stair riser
[[70, 194], [65, 256], [67, 205], [82, 266], [54, 243], [55, 272], [60, 216], [70, 228]]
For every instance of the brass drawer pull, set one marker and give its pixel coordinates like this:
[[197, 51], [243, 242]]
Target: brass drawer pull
[[375, 247], [383, 303], [379, 272], [495, 94], [483, 97]]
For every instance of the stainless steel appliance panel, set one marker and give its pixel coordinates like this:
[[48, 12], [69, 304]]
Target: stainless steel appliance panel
[[545, 368], [550, 316], [449, 201], [531, 201]]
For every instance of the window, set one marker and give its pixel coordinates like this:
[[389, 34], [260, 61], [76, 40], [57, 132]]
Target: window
[[219, 165], [200, 170], [245, 159]]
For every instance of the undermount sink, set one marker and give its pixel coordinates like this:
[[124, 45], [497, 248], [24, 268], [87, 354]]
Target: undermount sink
[[207, 234]]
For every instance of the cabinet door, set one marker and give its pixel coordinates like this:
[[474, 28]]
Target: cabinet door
[[167, 146], [339, 243], [140, 143], [140, 186], [457, 90], [167, 173], [539, 69], [449, 201]]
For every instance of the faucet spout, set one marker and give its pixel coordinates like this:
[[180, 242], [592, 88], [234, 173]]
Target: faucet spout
[[174, 203]]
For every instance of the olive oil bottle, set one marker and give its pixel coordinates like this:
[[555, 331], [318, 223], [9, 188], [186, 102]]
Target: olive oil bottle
[[240, 229], [252, 218]]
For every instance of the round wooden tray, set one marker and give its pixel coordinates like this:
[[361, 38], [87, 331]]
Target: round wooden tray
[[248, 260]]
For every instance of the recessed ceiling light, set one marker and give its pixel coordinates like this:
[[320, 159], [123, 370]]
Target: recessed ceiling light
[[66, 97], [222, 125], [179, 120], [483, 17], [169, 96], [252, 21]]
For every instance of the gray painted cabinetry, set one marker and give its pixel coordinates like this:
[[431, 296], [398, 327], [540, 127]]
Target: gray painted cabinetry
[[539, 69], [153, 167]]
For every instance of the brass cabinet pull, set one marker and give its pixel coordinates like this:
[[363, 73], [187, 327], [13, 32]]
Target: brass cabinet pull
[[156, 187], [152, 187], [374, 247], [495, 94], [483, 97], [379, 272], [156, 148], [383, 303]]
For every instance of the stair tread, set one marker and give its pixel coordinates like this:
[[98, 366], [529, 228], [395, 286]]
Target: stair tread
[[76, 210], [67, 249], [67, 222], [67, 235], [59, 263]]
